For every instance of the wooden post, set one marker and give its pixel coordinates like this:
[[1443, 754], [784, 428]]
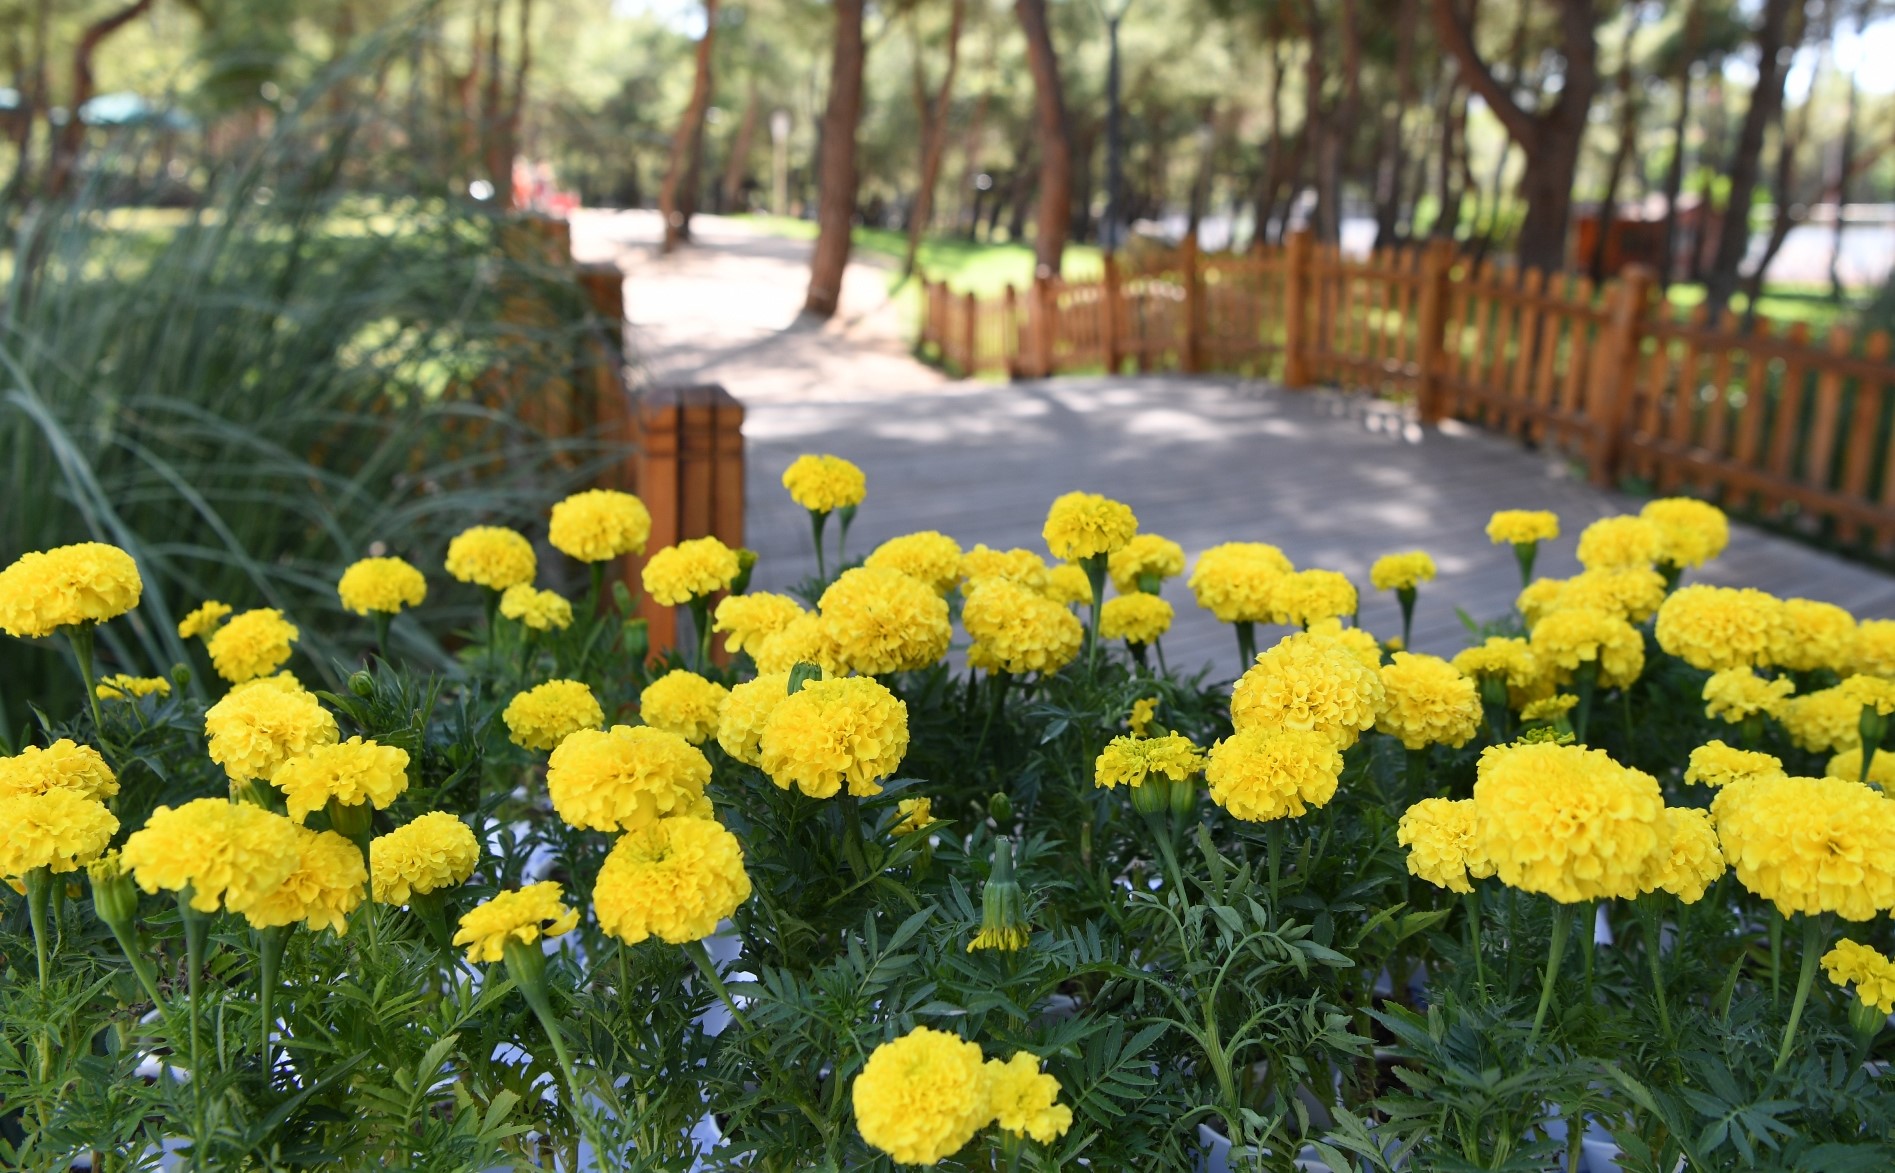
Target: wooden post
[[1430, 324], [1621, 339], [1010, 331], [1110, 317], [1297, 344], [658, 420], [1189, 353], [1045, 306], [970, 337]]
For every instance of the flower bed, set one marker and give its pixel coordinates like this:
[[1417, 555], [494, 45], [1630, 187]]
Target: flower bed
[[1003, 888]]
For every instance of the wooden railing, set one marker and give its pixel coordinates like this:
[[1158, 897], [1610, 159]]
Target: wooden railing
[[1766, 420]]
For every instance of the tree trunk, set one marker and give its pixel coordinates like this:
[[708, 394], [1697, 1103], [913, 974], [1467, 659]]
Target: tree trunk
[[1272, 177], [835, 202], [1447, 193], [1621, 154], [1845, 163], [1786, 215], [731, 190], [1674, 172], [933, 133], [1766, 104], [69, 140], [1391, 159], [677, 199], [1049, 244]]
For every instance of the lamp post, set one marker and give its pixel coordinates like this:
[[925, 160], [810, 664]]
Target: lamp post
[[779, 162]]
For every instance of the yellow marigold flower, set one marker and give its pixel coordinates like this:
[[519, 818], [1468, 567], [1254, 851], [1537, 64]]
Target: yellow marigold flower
[[349, 774], [1632, 592], [46, 590], [683, 703], [598, 525], [204, 620], [803, 640], [1715, 628], [1307, 597], [1810, 845], [1017, 566], [674, 880], [1810, 635], [59, 830], [121, 687], [433, 852], [259, 726], [229, 854], [931, 557], [381, 584], [1128, 761], [824, 484], [1620, 541], [1717, 764], [1539, 599], [1144, 710], [492, 556], [740, 719], [1828, 719], [1511, 660], [882, 621], [1026, 1100], [1691, 532], [1135, 618], [1870, 692], [1358, 641], [524, 915], [917, 815], [1067, 584], [1237, 581], [750, 618], [546, 714], [1443, 849], [1852, 963], [63, 765], [1518, 527], [1427, 701], [1692, 861], [1874, 651], [1567, 822], [323, 888], [922, 1097], [1393, 572], [1737, 694], [1260, 774], [254, 643], [1086, 525], [1146, 556], [1566, 639], [693, 569], [1549, 709], [1015, 630], [1848, 764], [833, 732], [536, 609], [626, 778], [1308, 682]]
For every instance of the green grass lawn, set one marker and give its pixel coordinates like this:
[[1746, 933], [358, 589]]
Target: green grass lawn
[[967, 266], [1782, 303]]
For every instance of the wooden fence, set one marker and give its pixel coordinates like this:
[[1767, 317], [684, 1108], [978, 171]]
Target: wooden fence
[[1768, 421]]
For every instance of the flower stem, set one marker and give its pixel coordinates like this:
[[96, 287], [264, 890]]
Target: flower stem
[[817, 520], [1524, 553], [1812, 946], [1555, 951], [701, 624], [1246, 644], [1472, 903], [1095, 577], [80, 637], [382, 620], [39, 895], [1648, 913], [1585, 683], [1406, 597], [270, 946], [696, 951]]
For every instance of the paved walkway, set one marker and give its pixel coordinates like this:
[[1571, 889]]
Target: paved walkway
[[1335, 481]]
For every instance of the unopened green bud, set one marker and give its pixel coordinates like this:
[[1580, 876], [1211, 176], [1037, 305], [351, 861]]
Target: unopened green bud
[[352, 821], [636, 639], [1149, 583], [1873, 727], [1000, 807], [746, 562], [1152, 796], [181, 675], [1866, 1020], [1002, 906], [114, 898], [1184, 800], [802, 673], [362, 684], [621, 596]]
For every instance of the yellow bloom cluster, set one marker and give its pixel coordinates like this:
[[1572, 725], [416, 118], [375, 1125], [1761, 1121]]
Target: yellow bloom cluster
[[492, 556], [750, 618], [67, 586], [740, 719], [434, 851], [63, 765], [693, 569], [1308, 682], [1025, 1100], [626, 778], [1357, 641], [1539, 599], [673, 880], [1237, 581], [1020, 567], [325, 884], [1620, 541], [1443, 848], [1128, 761], [1633, 593], [1135, 618], [252, 644], [348, 774], [1716, 764], [120, 687], [1259, 774], [1810, 845], [1067, 584], [883, 621], [1810, 635], [1848, 764], [230, 855], [1549, 709], [1304, 598], [916, 816], [1568, 638], [1427, 701], [1874, 650], [1511, 660], [824, 484], [546, 714], [203, 620], [262, 724], [381, 584], [683, 703], [1394, 572], [58, 829], [536, 609], [1734, 695], [1086, 525], [1567, 822], [1521, 527], [928, 556], [1870, 692], [801, 641], [835, 732], [1692, 860], [923, 1096], [597, 525], [1016, 630], [1715, 628], [1851, 963], [524, 915], [1146, 556], [1827, 719], [1690, 532]]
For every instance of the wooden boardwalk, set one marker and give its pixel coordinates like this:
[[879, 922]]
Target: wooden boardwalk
[[1335, 481]]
